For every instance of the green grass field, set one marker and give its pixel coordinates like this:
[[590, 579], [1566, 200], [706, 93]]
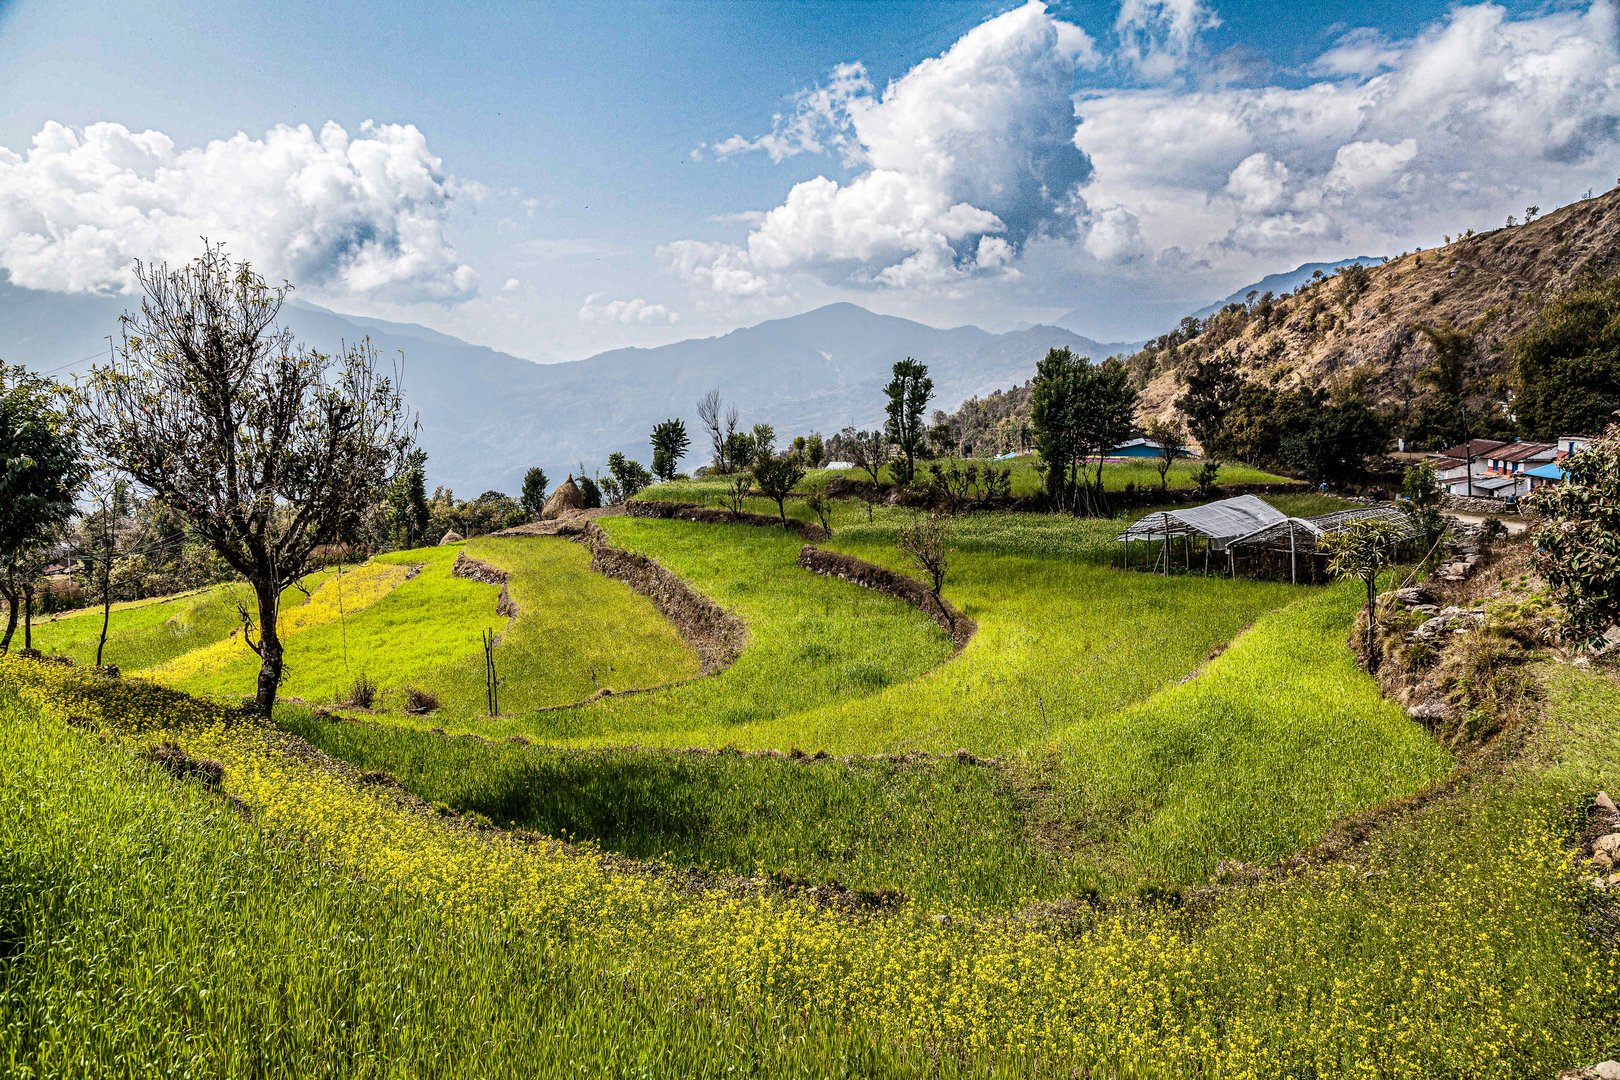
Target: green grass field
[[1070, 655], [1018, 909], [1026, 479], [384, 940], [403, 621], [145, 633]]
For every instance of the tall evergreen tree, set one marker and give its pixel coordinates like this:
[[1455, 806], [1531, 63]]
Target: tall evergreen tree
[[908, 392], [669, 445], [533, 499]]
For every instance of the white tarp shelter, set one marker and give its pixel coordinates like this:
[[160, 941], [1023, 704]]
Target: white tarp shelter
[[1219, 523]]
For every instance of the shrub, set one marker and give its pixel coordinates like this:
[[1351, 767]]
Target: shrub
[[420, 701], [1578, 541], [363, 694], [1204, 478]]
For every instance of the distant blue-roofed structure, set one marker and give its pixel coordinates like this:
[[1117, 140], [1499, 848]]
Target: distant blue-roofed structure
[[1545, 475], [1142, 448]]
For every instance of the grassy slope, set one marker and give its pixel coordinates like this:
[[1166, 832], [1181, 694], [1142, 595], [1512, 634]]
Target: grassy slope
[[1026, 480], [1282, 734], [1456, 943], [1064, 644], [575, 632], [145, 633], [219, 950], [812, 640]]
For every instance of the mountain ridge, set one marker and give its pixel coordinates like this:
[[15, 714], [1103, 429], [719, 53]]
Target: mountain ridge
[[487, 416], [1489, 286]]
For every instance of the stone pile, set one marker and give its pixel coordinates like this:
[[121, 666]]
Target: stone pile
[[1441, 620], [1601, 843], [1603, 1070], [1447, 620]]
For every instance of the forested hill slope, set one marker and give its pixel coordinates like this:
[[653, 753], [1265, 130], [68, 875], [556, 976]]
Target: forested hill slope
[[1366, 322]]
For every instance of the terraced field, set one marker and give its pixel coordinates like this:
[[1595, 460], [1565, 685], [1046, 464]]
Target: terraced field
[[853, 851], [1068, 784]]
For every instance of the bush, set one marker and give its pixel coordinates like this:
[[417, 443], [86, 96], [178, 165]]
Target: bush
[[1204, 479], [1578, 541], [363, 694], [419, 701]]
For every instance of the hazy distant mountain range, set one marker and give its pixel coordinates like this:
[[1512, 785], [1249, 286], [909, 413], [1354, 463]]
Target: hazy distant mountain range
[[487, 416]]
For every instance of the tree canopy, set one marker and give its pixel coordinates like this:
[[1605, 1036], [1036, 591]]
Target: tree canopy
[[908, 394], [266, 446], [669, 445], [41, 471], [1578, 537], [1079, 411], [533, 498], [1566, 366]]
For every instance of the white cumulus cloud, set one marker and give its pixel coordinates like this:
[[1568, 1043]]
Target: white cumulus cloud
[[1157, 37], [976, 143], [362, 214], [635, 312], [1397, 139], [1142, 169]]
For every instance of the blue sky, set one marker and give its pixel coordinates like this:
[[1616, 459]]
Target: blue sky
[[555, 179]]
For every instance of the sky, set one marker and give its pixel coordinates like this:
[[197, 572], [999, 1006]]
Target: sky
[[559, 179]]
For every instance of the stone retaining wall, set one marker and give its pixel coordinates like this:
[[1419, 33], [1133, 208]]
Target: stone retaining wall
[[473, 569], [714, 515], [715, 634], [1476, 505], [910, 590]]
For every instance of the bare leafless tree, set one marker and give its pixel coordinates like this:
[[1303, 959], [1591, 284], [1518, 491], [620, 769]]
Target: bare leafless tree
[[927, 542], [708, 408], [267, 447]]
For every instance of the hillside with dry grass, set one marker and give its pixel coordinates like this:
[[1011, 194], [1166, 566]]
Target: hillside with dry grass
[[1366, 325]]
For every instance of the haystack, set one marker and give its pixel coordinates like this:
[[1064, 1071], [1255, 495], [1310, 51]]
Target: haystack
[[451, 537], [565, 500]]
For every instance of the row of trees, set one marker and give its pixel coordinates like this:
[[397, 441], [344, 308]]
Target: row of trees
[[1306, 431]]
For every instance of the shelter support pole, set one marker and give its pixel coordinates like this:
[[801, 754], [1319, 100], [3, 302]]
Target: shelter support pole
[[1293, 564]]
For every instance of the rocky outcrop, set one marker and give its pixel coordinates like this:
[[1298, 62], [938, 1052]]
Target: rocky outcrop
[[1600, 843], [877, 578], [1603, 1070], [1491, 285]]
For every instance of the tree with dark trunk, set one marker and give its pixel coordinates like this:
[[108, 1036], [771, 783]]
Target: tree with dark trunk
[[41, 470], [1079, 410], [908, 393], [267, 447], [775, 475], [533, 499], [669, 445], [100, 532], [1362, 549], [1172, 440], [708, 408], [927, 543]]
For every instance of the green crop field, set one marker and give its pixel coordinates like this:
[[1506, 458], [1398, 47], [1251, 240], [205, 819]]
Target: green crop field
[[1452, 946], [1026, 479], [851, 852], [145, 633]]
